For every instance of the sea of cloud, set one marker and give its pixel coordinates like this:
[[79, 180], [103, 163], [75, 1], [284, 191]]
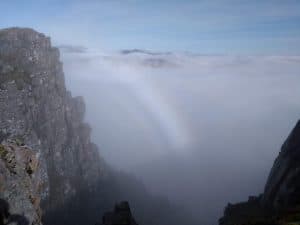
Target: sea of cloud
[[200, 129]]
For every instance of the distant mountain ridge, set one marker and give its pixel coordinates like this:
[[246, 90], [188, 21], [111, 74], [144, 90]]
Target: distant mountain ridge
[[143, 51]]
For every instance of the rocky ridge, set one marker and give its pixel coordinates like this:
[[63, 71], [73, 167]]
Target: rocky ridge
[[280, 202]]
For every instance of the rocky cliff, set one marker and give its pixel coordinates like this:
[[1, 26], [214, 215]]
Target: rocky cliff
[[38, 111], [280, 202]]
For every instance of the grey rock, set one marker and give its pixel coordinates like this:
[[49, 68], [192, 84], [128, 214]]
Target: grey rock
[[37, 110], [21, 184]]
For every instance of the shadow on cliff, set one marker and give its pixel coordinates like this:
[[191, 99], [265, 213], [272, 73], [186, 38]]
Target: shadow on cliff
[[6, 218]]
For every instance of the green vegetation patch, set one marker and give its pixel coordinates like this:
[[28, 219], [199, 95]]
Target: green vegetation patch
[[3, 152]]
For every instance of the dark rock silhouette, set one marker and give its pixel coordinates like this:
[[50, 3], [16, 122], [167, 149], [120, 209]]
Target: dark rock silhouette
[[6, 218], [280, 202], [4, 211], [120, 216], [283, 186]]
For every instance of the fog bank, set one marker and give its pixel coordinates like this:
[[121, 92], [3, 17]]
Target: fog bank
[[200, 129]]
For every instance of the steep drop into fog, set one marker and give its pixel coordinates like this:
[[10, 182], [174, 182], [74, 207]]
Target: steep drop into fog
[[200, 129]]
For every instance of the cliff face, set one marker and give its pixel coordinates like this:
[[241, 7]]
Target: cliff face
[[280, 202], [38, 111]]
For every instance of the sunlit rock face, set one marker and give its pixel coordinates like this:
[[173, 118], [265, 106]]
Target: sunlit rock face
[[37, 109], [280, 202]]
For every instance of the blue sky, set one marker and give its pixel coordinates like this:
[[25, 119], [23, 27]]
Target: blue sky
[[205, 27]]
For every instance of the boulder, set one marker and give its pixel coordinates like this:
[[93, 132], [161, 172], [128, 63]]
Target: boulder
[[120, 216]]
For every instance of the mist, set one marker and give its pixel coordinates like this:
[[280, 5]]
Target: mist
[[201, 130]]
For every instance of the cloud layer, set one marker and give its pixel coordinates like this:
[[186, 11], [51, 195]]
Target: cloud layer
[[201, 129], [186, 93]]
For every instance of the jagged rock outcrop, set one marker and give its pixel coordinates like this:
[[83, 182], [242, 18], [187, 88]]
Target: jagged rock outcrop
[[120, 215], [280, 202], [20, 184], [37, 110]]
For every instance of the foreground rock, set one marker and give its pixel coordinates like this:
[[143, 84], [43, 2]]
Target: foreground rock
[[20, 185], [280, 202], [120, 215]]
